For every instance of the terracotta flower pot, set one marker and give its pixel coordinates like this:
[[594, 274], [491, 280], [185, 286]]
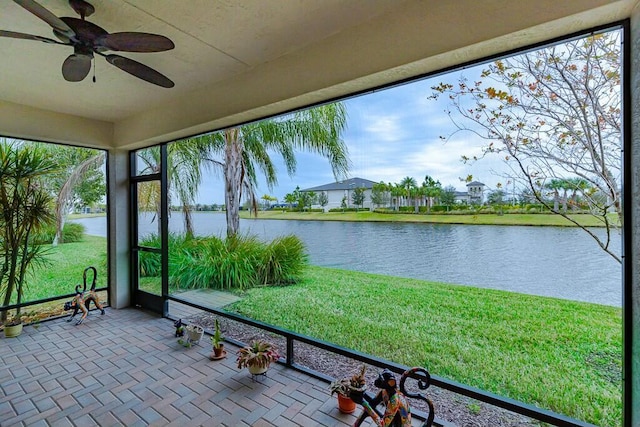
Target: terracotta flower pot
[[217, 351], [345, 404]]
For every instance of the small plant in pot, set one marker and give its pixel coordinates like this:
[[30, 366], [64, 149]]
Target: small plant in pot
[[13, 327], [193, 334], [218, 345], [257, 357], [344, 388]]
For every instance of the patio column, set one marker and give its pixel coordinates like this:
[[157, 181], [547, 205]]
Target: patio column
[[632, 262], [118, 228]]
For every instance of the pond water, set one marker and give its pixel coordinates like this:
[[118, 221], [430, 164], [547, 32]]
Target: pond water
[[547, 261]]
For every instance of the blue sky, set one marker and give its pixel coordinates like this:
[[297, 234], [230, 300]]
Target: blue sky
[[390, 134]]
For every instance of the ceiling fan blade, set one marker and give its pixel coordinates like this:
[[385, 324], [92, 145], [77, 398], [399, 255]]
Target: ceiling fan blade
[[76, 67], [27, 37], [48, 17], [135, 42], [139, 70]]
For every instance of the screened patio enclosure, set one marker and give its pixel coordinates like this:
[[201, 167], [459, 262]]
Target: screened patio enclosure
[[235, 63]]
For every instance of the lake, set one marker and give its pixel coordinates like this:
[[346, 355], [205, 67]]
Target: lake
[[548, 261]]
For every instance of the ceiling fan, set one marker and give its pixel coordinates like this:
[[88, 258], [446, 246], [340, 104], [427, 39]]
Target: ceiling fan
[[88, 39]]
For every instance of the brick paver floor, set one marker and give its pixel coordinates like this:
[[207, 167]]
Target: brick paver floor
[[126, 369]]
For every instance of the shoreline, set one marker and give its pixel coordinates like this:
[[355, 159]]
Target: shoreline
[[508, 219], [527, 220]]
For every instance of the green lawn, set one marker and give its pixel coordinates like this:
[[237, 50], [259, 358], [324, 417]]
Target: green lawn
[[560, 355], [479, 219], [65, 265]]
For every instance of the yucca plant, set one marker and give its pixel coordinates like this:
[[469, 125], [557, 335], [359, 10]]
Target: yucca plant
[[25, 209]]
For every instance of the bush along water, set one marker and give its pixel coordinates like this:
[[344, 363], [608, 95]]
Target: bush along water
[[235, 263], [71, 232]]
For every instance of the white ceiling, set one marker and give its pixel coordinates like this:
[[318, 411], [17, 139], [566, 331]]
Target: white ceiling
[[238, 60]]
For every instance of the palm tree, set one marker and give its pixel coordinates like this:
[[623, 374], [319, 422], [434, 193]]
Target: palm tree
[[577, 184], [185, 159], [396, 192], [290, 199], [240, 152], [432, 190], [417, 194], [268, 199], [379, 194], [407, 184]]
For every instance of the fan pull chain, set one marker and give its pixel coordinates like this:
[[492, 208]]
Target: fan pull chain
[[94, 70]]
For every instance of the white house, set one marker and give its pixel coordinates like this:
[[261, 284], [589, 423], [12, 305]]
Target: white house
[[336, 191], [475, 193]]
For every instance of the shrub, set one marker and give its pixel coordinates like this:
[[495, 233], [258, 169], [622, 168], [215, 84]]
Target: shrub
[[71, 232], [441, 208], [150, 263], [284, 260], [348, 209], [240, 262], [535, 207]]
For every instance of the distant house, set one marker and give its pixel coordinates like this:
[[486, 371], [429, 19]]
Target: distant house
[[461, 197], [475, 193], [336, 191]]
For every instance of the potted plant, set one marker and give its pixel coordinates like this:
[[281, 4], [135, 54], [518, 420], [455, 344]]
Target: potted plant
[[218, 345], [257, 357], [344, 388], [193, 335], [13, 328]]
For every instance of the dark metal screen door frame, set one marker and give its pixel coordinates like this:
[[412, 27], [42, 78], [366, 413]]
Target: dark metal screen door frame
[[149, 301]]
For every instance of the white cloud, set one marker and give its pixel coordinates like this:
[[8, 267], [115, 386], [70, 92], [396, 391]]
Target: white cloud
[[392, 134]]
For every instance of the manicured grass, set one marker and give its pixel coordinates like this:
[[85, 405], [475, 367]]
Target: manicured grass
[[557, 354], [479, 219], [65, 265]]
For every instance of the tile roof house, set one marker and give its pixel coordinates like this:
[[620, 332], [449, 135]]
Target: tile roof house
[[336, 191]]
